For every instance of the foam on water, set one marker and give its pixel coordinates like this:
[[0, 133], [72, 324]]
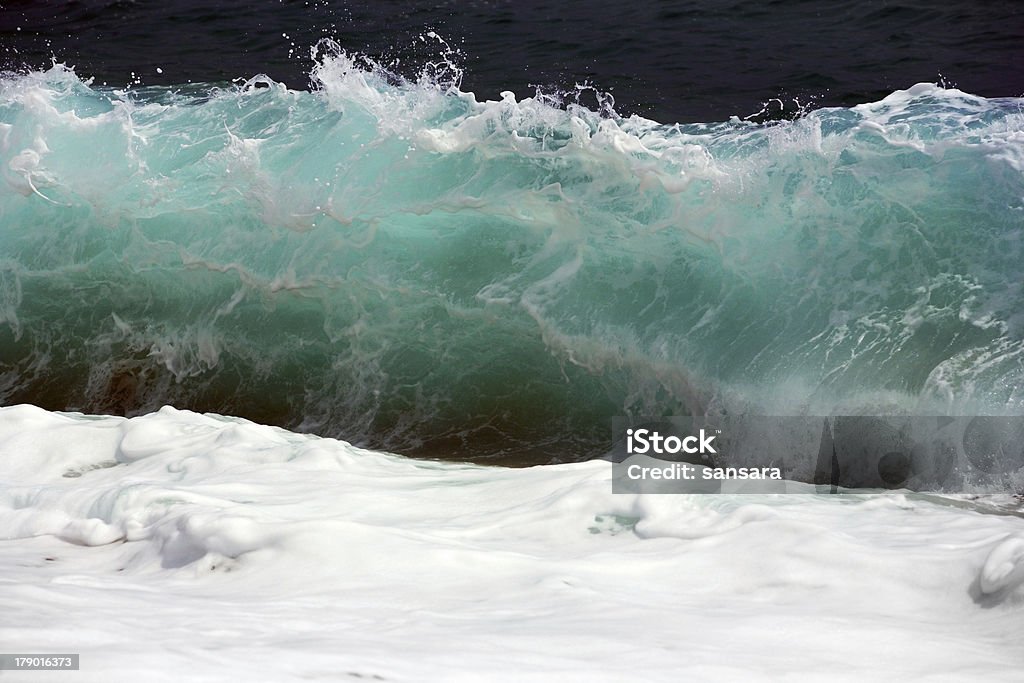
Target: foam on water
[[177, 544], [399, 263]]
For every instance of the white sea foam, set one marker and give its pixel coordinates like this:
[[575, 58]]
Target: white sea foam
[[179, 546]]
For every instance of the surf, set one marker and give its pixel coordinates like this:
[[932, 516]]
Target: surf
[[394, 262]]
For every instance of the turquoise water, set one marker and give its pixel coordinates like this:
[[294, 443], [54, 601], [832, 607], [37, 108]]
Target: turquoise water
[[404, 266]]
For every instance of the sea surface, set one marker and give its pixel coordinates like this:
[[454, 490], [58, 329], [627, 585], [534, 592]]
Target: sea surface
[[674, 60], [254, 255], [482, 230]]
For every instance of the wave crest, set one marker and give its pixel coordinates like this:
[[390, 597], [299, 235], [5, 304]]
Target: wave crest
[[394, 262]]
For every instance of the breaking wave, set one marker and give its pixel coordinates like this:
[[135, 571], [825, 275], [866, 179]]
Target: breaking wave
[[396, 263]]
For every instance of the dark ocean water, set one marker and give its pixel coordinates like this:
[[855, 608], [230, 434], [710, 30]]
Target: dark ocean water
[[392, 251], [676, 60]]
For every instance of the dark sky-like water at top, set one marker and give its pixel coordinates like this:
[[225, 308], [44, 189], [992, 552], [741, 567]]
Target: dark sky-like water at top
[[676, 60]]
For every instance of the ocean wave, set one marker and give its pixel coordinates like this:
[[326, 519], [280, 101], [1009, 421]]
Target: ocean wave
[[394, 262]]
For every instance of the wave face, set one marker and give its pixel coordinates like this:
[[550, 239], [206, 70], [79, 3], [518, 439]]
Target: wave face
[[401, 265]]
